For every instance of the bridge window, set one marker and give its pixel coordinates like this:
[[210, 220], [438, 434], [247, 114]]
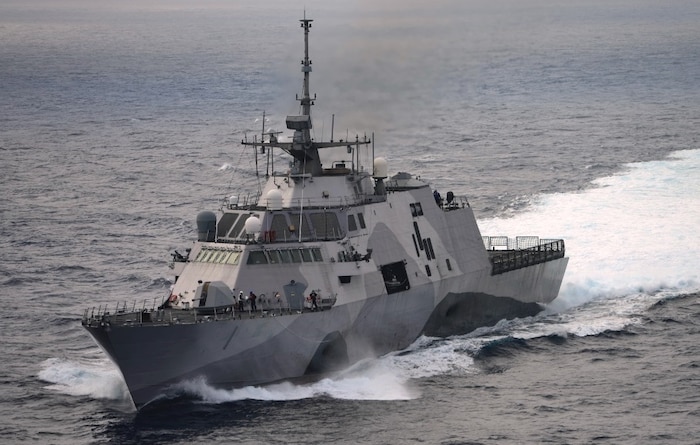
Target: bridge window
[[280, 226], [233, 258], [238, 227], [257, 257], [296, 255], [225, 224], [305, 255], [218, 256], [285, 256], [274, 256], [303, 225], [325, 225], [208, 254]]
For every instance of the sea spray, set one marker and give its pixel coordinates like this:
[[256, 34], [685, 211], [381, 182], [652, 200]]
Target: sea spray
[[632, 233], [99, 381]]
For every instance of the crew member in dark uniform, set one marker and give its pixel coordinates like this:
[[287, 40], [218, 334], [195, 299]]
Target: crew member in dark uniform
[[313, 297], [252, 297]]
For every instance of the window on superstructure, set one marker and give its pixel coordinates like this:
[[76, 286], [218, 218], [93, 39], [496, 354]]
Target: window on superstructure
[[200, 256], [208, 255], [257, 257], [416, 209], [280, 226], [274, 256], [305, 255], [225, 224], [361, 219], [325, 224], [238, 227], [305, 227], [296, 255], [233, 258], [316, 253], [352, 226], [285, 256], [430, 247], [449, 265]]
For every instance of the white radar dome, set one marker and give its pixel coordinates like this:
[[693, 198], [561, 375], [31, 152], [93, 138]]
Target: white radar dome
[[274, 200], [252, 225], [381, 168]]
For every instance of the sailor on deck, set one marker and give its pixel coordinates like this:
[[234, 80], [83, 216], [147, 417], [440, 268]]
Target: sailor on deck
[[313, 297], [252, 297]]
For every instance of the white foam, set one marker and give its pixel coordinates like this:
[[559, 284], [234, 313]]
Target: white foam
[[636, 232], [97, 380], [593, 318], [371, 380], [428, 357]]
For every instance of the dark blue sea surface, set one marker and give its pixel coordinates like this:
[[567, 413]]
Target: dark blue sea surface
[[120, 121]]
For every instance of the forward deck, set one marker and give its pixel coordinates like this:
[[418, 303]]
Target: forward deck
[[123, 315]]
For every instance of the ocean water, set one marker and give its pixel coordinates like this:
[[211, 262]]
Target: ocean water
[[120, 122]]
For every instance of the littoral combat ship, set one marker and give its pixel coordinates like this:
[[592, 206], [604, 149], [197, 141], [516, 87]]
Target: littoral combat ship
[[325, 265]]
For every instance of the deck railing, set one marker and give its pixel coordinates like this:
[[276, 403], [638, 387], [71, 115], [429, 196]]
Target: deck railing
[[128, 315], [507, 260]]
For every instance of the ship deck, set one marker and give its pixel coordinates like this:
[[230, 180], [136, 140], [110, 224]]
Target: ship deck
[[507, 260], [122, 315]]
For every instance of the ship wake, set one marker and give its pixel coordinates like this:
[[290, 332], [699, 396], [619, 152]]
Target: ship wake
[[369, 380]]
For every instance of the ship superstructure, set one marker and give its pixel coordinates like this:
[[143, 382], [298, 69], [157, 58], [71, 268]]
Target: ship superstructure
[[331, 262]]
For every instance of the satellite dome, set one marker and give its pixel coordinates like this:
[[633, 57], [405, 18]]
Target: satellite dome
[[253, 225], [274, 200], [380, 168]]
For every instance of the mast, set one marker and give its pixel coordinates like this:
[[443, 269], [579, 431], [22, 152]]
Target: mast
[[306, 69], [303, 148]]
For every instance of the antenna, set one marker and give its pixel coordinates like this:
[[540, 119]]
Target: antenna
[[255, 148], [373, 153], [262, 133], [262, 148], [306, 68]]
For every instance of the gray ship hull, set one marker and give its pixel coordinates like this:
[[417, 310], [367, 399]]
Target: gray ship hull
[[337, 260], [231, 353]]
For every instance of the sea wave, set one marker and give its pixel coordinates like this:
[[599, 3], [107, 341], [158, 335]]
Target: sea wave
[[97, 380]]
